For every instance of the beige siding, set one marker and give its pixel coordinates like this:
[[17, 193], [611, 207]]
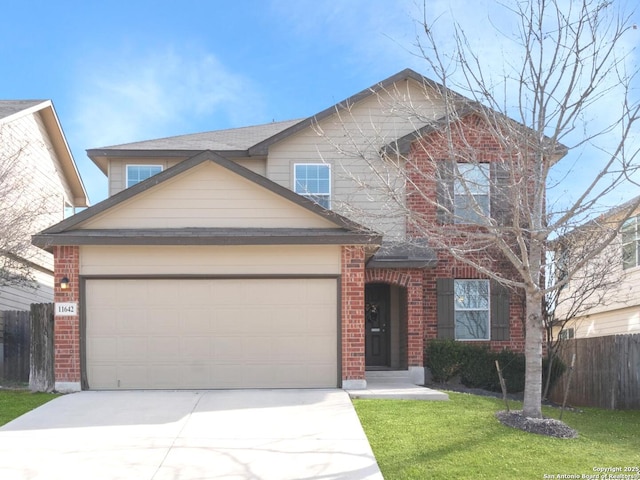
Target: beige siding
[[621, 286], [208, 196], [614, 322], [39, 185], [350, 143], [21, 298], [118, 168], [209, 260]]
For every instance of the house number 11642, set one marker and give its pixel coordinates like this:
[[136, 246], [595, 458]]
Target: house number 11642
[[66, 309]]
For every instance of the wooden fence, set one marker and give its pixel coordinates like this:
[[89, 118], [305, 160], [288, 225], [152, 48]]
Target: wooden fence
[[15, 335], [606, 372]]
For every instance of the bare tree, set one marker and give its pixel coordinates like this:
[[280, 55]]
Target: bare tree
[[598, 285], [480, 177], [571, 59], [22, 210]]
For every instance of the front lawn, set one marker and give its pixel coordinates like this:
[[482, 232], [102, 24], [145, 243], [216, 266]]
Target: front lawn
[[14, 403], [462, 438]]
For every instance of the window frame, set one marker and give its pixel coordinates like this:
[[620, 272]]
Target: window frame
[[314, 196], [150, 165], [487, 310], [632, 224], [462, 182]]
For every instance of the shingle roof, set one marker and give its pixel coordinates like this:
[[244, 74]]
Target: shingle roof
[[11, 107], [230, 139], [253, 140]]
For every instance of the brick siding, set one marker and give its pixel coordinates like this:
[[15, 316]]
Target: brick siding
[[67, 328], [353, 313]]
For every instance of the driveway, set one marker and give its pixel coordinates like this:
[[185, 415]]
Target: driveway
[[161, 435]]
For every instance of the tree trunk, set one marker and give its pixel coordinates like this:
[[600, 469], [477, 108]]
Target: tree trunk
[[41, 375], [532, 407]]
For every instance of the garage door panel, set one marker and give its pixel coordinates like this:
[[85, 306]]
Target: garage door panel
[[314, 318], [102, 347], [131, 349], [196, 348], [244, 333], [132, 320]]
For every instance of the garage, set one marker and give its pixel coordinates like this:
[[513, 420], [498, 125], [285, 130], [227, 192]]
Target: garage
[[192, 333], [208, 276]]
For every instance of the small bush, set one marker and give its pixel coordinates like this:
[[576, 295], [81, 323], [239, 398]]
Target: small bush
[[476, 365], [477, 370], [444, 359]]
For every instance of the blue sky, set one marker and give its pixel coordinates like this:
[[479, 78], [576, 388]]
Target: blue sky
[[120, 72]]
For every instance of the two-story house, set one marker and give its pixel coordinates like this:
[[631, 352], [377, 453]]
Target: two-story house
[[603, 297], [267, 256], [39, 185]]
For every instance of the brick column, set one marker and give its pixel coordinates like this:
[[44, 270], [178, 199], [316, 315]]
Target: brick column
[[67, 328], [415, 319], [353, 360]]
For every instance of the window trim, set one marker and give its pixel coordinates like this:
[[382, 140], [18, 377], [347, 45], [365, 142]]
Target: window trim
[[488, 310], [485, 167], [310, 194], [126, 170]]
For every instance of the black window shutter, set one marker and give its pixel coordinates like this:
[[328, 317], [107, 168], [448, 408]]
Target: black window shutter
[[444, 191], [500, 300], [500, 201], [446, 313]]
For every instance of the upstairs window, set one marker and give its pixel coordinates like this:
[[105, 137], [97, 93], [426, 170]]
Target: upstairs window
[[631, 243], [471, 193], [313, 181], [471, 303], [138, 173]]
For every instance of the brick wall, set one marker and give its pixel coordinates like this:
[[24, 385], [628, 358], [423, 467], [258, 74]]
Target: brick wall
[[353, 360], [470, 138], [67, 328]]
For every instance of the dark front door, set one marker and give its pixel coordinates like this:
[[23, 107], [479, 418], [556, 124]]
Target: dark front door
[[376, 319]]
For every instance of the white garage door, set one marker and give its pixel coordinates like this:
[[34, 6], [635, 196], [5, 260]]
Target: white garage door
[[193, 333]]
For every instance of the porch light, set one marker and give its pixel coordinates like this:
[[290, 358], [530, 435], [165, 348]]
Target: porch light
[[64, 283]]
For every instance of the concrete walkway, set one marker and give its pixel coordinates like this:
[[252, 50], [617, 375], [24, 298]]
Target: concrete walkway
[[395, 385], [161, 435]]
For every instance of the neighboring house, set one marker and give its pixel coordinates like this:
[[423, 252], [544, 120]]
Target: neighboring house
[[612, 303], [233, 259], [39, 182]]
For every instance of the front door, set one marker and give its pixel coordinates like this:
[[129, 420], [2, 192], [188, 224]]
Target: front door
[[377, 328]]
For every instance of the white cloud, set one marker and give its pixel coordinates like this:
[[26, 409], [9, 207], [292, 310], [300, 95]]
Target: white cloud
[[125, 97]]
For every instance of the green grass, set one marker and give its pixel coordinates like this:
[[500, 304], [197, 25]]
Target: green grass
[[462, 439], [14, 403]]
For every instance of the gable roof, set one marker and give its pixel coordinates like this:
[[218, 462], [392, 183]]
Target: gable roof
[[246, 141], [233, 142], [9, 108], [13, 109], [402, 145], [255, 140], [69, 231]]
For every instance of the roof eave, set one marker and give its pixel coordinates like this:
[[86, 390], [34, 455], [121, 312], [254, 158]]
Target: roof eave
[[63, 152], [237, 238]]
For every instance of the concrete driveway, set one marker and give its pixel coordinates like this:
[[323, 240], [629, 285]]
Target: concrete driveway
[[161, 435]]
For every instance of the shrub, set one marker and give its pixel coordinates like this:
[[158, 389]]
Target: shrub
[[476, 365], [478, 368], [444, 359]]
